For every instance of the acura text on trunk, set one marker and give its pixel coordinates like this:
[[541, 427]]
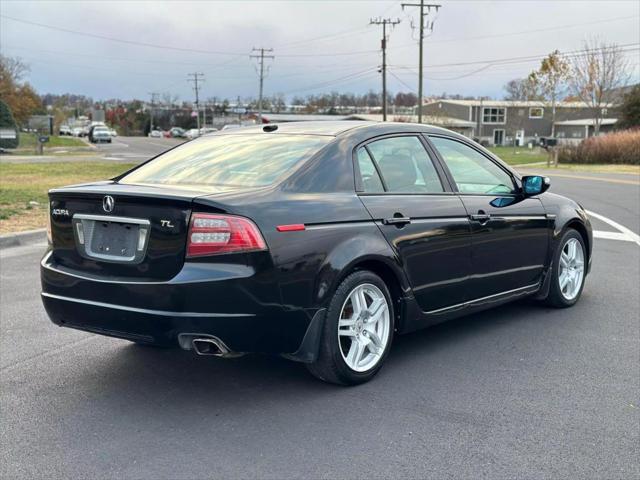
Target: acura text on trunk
[[315, 241]]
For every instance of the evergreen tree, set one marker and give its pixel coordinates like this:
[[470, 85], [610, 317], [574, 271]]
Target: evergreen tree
[[630, 107], [7, 122]]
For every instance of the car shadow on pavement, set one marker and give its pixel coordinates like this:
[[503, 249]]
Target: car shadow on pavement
[[176, 375]]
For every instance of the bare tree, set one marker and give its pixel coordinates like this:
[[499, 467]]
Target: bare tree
[[596, 73], [13, 68], [522, 89], [551, 78], [170, 99]]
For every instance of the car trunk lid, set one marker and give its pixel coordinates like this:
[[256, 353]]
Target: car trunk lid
[[112, 230]]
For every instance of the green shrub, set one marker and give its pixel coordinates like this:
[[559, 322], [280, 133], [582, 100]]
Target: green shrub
[[7, 122], [618, 147]]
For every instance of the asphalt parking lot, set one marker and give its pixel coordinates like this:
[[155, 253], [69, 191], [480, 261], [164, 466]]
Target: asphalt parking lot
[[522, 391]]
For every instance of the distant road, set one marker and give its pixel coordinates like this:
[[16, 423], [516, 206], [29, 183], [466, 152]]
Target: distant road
[[121, 149], [135, 149]]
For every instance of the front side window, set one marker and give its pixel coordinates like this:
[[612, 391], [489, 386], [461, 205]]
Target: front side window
[[493, 115], [371, 182], [472, 171], [251, 160], [405, 165]]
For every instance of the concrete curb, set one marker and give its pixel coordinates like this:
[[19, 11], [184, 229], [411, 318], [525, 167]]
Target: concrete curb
[[19, 239]]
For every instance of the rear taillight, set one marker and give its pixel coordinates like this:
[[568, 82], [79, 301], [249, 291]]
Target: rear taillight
[[211, 234]]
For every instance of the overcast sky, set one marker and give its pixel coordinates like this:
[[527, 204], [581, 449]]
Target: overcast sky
[[319, 46]]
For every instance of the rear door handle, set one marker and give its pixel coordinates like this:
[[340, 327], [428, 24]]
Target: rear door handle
[[396, 221]]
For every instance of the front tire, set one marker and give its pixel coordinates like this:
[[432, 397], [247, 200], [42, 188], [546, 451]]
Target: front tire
[[569, 271], [357, 332]]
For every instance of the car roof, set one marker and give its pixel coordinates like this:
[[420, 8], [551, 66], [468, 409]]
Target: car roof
[[333, 128]]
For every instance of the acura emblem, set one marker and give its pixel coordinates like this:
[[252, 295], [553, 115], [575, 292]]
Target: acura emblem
[[108, 203]]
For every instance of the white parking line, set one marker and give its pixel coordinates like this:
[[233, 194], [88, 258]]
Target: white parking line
[[623, 232]]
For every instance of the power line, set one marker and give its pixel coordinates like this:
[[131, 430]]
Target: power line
[[335, 81], [241, 54], [344, 33], [537, 30], [464, 75], [576, 53], [119, 40], [401, 81], [196, 78], [502, 61], [170, 47], [261, 58], [384, 22], [423, 14]]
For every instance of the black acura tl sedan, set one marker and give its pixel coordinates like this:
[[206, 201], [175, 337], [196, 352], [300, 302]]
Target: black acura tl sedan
[[316, 241]]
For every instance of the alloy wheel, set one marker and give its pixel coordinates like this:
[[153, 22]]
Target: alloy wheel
[[571, 271], [364, 327]]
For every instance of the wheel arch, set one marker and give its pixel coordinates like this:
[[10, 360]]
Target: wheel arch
[[577, 225], [577, 220], [382, 266], [390, 277], [567, 214]]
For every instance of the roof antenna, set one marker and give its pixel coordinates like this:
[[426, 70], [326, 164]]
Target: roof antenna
[[269, 128]]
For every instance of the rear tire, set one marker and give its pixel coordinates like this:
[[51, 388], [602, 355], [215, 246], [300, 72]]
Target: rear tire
[[569, 271], [357, 332]]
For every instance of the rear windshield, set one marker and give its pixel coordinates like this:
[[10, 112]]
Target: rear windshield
[[229, 160]]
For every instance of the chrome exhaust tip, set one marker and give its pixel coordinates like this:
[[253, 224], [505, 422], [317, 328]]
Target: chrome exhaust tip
[[209, 346], [204, 344]]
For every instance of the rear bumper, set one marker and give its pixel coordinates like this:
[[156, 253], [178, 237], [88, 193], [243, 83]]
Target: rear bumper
[[230, 302]]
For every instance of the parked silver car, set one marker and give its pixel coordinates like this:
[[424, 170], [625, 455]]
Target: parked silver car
[[99, 133]]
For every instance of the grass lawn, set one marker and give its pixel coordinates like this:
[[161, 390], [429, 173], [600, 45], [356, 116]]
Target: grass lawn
[[520, 155], [593, 168], [21, 183], [30, 140]]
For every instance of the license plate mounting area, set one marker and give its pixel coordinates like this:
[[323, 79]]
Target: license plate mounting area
[[111, 239]]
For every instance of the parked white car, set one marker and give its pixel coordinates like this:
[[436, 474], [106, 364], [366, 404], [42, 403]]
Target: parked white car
[[155, 134], [191, 134], [65, 130], [113, 132]]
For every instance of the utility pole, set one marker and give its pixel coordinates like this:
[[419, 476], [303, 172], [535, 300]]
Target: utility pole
[[384, 22], [261, 58], [154, 96], [196, 78], [422, 6]]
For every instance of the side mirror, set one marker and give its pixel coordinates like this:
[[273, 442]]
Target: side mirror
[[535, 185]]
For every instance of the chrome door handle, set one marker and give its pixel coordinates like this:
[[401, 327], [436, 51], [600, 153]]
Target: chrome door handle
[[481, 217], [396, 221]]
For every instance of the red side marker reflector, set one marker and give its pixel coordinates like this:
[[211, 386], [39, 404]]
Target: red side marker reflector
[[295, 227]]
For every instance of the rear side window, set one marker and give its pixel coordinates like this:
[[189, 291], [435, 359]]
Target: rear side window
[[472, 171], [229, 160], [371, 182], [405, 165]]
